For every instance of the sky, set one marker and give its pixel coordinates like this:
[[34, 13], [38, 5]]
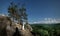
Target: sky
[[39, 11]]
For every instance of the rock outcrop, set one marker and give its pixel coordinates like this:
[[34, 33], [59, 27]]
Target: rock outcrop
[[9, 28]]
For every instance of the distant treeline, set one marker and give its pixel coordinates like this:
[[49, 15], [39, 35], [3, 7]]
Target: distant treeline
[[46, 29]]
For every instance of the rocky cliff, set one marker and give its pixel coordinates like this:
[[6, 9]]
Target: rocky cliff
[[9, 28]]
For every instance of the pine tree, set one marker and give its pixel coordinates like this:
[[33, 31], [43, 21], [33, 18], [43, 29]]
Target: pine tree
[[12, 11], [18, 13]]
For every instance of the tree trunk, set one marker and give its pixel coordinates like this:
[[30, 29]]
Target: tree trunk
[[23, 25]]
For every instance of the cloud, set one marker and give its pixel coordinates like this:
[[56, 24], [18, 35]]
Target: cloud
[[48, 21], [2, 14]]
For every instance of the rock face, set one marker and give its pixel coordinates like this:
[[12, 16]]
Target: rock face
[[9, 28], [4, 21], [28, 27], [25, 33]]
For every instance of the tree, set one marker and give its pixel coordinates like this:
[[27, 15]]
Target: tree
[[12, 10], [18, 13], [23, 15]]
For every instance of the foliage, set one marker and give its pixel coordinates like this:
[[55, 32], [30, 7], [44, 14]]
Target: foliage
[[17, 13], [46, 29]]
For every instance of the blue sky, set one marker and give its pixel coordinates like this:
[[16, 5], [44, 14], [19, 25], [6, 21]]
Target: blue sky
[[37, 10]]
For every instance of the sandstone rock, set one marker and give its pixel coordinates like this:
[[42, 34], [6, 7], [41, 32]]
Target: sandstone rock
[[28, 27], [4, 21], [8, 28]]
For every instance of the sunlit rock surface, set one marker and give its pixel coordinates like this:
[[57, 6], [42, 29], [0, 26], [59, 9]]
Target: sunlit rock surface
[[9, 28]]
